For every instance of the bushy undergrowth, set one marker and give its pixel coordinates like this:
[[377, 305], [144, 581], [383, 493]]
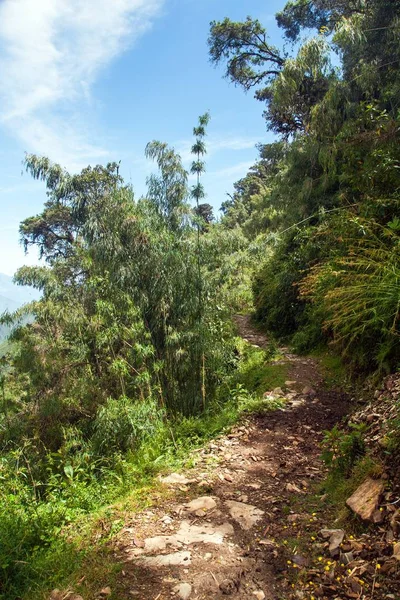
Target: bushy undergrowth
[[349, 463], [45, 496], [121, 425], [341, 450], [358, 295], [276, 297], [338, 487], [324, 286]]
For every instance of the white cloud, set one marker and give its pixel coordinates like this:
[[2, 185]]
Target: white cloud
[[215, 144], [52, 52], [232, 173], [236, 143]]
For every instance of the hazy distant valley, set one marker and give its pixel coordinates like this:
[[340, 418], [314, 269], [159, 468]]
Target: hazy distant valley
[[12, 297]]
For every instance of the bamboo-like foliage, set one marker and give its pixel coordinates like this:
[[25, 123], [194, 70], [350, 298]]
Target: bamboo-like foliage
[[360, 294], [128, 311], [199, 150], [168, 191], [197, 193]]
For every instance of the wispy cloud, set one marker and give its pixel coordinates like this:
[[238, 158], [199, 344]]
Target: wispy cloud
[[233, 172], [52, 51], [17, 188], [215, 144]]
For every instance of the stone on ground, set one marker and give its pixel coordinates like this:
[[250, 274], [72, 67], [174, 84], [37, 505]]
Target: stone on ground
[[336, 537], [189, 534], [278, 392], [309, 391], [365, 499], [183, 590], [58, 595], [200, 505], [207, 533], [300, 561], [244, 514], [254, 486], [396, 551], [229, 586], [166, 560], [177, 478], [160, 542], [291, 487]]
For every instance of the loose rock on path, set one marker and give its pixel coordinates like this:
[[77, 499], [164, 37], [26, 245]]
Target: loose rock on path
[[227, 530]]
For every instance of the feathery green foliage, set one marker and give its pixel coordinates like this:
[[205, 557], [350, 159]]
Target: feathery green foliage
[[325, 197]]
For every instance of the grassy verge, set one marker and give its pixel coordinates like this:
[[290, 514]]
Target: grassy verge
[[332, 367], [259, 370]]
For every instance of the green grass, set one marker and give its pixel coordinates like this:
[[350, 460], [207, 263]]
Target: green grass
[[339, 488], [333, 368], [82, 558], [258, 373]]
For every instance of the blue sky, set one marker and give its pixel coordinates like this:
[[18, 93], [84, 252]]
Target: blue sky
[[92, 81]]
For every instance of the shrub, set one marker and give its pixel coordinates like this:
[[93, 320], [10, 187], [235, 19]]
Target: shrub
[[124, 424], [359, 293], [341, 450]]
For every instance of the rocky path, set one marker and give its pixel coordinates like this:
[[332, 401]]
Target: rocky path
[[227, 526]]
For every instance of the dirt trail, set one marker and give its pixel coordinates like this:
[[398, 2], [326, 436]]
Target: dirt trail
[[226, 524]]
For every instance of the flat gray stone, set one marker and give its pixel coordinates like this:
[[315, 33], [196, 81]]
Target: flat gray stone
[[199, 505], [166, 560], [160, 542], [254, 486], [309, 391], [206, 534], [296, 403], [189, 534], [244, 514], [334, 542], [336, 537], [327, 533], [175, 478]]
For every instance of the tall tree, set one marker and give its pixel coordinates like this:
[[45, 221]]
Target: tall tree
[[289, 87], [298, 15], [197, 193]]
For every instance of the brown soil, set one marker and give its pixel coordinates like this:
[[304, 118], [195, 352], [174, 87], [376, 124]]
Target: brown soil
[[272, 462]]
